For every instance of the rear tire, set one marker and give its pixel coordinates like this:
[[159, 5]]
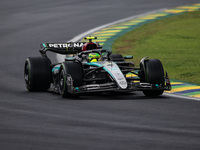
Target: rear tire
[[154, 74], [70, 72], [37, 73]]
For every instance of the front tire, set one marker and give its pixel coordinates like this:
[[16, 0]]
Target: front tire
[[154, 74], [70, 76]]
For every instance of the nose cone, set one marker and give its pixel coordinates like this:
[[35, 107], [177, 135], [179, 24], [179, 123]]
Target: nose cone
[[113, 69], [120, 79]]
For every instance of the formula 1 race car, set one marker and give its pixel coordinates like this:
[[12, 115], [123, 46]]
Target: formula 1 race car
[[92, 69]]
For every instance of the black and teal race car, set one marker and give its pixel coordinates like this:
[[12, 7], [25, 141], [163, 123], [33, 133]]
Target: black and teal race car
[[78, 74]]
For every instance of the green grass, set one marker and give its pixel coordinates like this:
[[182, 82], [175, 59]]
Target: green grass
[[174, 40]]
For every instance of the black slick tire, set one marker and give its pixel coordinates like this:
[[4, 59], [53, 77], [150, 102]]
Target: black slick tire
[[37, 73], [154, 74], [71, 75]]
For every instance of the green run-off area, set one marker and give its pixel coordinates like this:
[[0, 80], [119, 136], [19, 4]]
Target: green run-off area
[[174, 40]]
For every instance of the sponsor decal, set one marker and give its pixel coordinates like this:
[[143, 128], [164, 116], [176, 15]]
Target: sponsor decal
[[65, 45]]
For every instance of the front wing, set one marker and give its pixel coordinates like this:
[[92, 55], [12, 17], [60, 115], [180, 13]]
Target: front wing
[[112, 86]]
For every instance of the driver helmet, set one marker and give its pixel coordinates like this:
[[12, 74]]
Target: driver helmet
[[93, 57]]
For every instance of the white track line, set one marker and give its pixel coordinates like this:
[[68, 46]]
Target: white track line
[[181, 97]]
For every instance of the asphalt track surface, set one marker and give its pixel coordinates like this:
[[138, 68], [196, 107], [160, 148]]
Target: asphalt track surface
[[46, 121]]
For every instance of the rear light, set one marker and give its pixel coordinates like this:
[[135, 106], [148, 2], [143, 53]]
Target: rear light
[[84, 47]]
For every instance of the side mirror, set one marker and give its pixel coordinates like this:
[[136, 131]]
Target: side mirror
[[128, 57]]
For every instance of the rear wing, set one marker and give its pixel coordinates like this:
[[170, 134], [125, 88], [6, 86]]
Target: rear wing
[[62, 48], [70, 47]]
